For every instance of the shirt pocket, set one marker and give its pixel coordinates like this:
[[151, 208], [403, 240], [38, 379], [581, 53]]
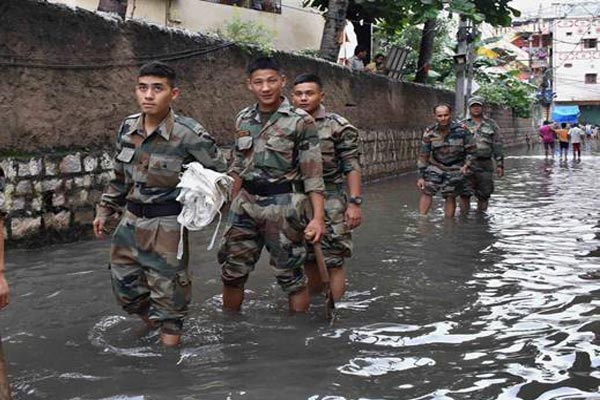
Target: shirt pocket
[[278, 153], [163, 171]]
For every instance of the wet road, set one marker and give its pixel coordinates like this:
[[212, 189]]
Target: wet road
[[480, 307]]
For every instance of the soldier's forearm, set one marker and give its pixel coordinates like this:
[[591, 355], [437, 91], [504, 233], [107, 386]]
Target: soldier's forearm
[[353, 180], [317, 201]]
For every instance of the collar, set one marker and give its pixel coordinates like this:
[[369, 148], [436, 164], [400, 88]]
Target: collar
[[284, 108], [164, 129], [320, 113]]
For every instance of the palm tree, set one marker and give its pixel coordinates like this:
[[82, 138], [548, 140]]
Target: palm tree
[[335, 21]]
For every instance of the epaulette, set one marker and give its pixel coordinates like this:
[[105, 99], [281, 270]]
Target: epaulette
[[244, 112], [190, 123], [339, 119]]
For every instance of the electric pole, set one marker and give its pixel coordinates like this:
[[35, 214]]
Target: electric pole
[[460, 61]]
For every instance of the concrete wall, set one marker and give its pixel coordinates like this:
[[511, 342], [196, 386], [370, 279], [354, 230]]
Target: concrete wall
[[295, 28], [67, 81]]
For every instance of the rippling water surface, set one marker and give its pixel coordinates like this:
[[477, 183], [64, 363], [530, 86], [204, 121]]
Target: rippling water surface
[[496, 306]]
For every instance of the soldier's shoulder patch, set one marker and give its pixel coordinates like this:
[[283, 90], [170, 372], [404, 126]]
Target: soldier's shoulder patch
[[190, 123]]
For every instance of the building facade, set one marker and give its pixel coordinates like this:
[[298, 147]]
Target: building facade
[[576, 65], [292, 26]]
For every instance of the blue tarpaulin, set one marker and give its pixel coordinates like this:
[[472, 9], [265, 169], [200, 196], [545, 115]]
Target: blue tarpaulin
[[565, 114]]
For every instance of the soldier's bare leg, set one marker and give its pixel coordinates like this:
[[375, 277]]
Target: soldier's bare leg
[[337, 281], [170, 339], [482, 205], [425, 203], [299, 301], [4, 386], [314, 278], [450, 207], [232, 298], [465, 204]]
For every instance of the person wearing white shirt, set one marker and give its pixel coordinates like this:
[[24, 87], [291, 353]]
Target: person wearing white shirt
[[577, 135]]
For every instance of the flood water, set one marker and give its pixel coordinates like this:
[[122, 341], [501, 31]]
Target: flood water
[[480, 307]]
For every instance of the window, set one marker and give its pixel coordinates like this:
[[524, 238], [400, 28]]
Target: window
[[590, 43], [272, 6], [569, 33], [590, 78], [568, 65]]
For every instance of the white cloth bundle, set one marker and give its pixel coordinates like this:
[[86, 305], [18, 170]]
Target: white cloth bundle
[[203, 193]]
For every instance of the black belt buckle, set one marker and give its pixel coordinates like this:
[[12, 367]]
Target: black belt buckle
[[154, 210]]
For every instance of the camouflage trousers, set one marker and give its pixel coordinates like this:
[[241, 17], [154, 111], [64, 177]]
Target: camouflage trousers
[[277, 222], [337, 241], [481, 181], [449, 182], [147, 278]]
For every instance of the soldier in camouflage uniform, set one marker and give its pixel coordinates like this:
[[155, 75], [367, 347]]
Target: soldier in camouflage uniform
[[446, 152], [4, 291], [340, 152], [490, 149], [148, 279], [276, 161]]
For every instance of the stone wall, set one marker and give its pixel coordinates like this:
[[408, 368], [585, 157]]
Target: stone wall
[[51, 198], [66, 82]]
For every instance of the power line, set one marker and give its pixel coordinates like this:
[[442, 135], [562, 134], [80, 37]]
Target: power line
[[24, 62]]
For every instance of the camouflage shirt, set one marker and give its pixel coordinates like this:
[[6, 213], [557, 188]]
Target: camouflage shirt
[[447, 151], [339, 145], [147, 168], [488, 139], [284, 149]]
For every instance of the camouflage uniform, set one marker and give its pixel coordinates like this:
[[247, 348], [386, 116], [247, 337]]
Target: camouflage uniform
[[278, 162], [441, 158], [340, 153], [489, 146], [147, 277]]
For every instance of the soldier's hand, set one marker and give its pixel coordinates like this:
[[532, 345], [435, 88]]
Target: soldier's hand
[[315, 229], [500, 172], [99, 227], [421, 183], [353, 216], [3, 291]]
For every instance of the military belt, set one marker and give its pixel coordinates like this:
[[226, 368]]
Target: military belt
[[154, 210], [272, 189]]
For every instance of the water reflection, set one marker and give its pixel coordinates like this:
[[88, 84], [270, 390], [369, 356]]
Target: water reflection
[[480, 307]]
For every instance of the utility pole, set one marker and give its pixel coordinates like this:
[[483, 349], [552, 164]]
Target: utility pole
[[470, 61], [460, 61]]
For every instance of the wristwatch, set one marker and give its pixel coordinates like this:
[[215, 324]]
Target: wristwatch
[[355, 200]]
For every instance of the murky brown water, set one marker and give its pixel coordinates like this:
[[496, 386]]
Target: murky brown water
[[481, 307]]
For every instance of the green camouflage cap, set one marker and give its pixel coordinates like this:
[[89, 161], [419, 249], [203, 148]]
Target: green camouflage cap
[[475, 100]]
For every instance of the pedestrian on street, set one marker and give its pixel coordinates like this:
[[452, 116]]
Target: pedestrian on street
[[548, 137], [489, 156], [147, 277], [340, 153], [577, 135], [276, 163], [563, 140], [4, 290], [447, 150]]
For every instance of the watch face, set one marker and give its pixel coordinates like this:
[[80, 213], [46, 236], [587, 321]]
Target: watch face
[[356, 200]]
